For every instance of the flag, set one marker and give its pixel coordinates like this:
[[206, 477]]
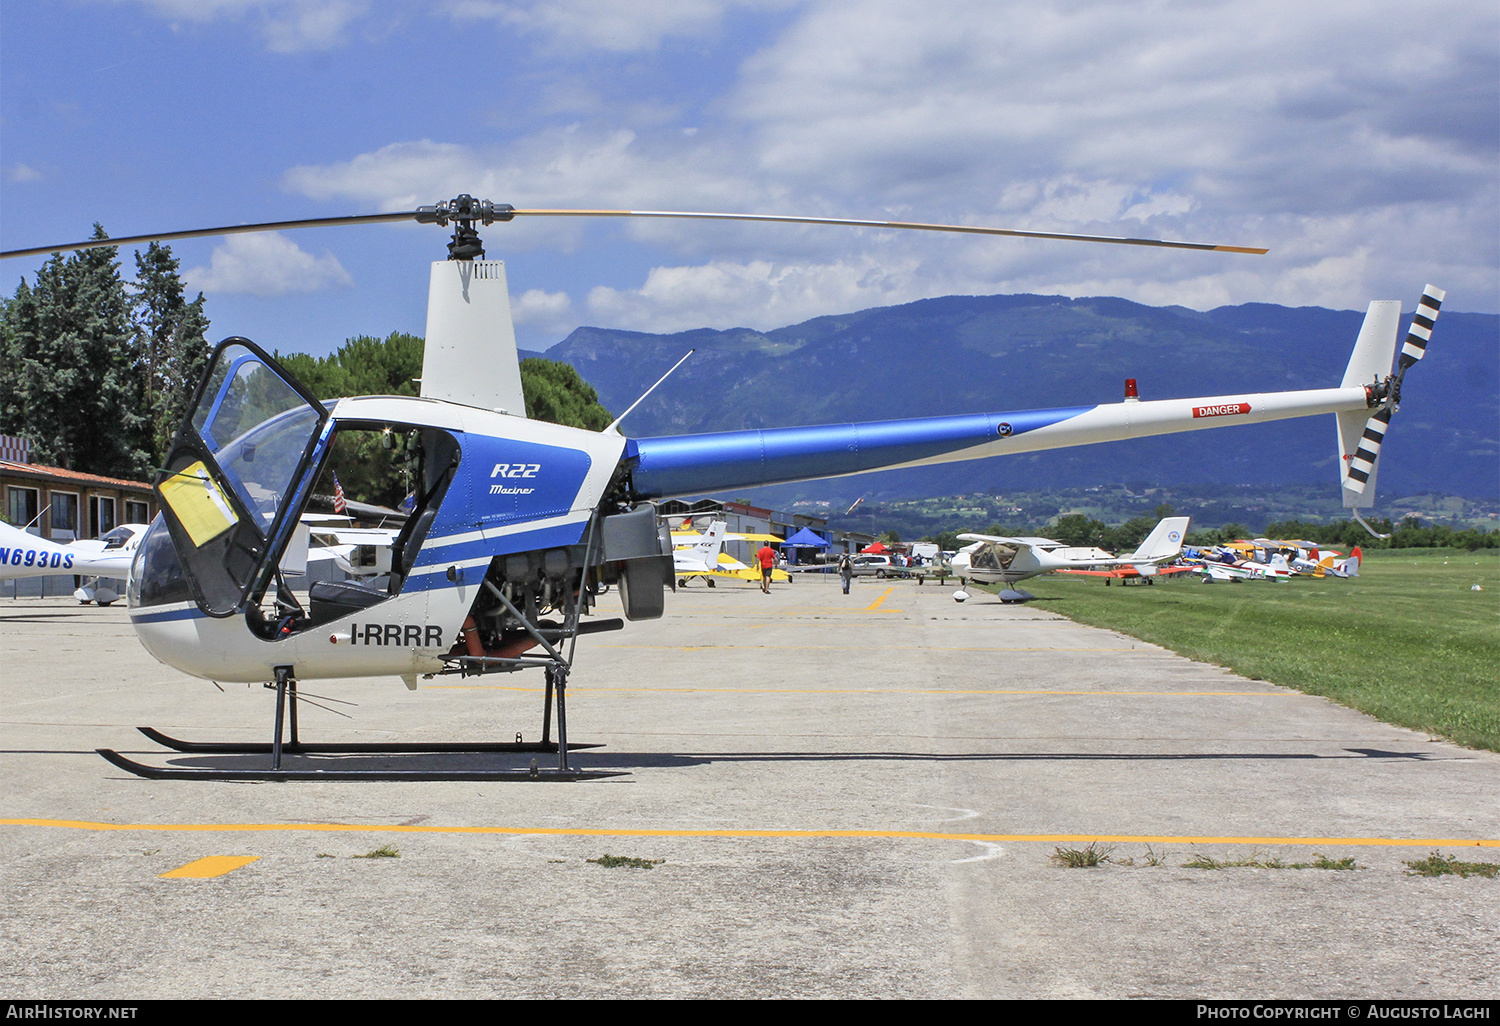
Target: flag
[[340, 504]]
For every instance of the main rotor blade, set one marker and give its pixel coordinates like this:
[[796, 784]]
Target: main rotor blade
[[328, 222], [905, 225], [198, 233]]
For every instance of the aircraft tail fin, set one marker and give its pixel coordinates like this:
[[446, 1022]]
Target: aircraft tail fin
[[709, 546], [1360, 436], [1164, 541], [1350, 566]]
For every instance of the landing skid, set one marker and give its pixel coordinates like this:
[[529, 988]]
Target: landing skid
[[220, 773], [286, 687]]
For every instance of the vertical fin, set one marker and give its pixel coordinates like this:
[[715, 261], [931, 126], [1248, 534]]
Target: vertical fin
[[470, 355]]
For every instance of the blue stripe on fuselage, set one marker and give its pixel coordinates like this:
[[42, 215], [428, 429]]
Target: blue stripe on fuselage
[[689, 464], [438, 552], [140, 616]]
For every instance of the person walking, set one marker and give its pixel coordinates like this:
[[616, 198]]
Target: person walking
[[846, 571], [767, 557]]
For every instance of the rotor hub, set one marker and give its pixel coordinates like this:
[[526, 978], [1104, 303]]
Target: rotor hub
[[464, 211]]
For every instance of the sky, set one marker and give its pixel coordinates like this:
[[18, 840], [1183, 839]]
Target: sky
[[1360, 142]]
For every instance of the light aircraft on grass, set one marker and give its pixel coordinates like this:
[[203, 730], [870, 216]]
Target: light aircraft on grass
[[1130, 574], [1226, 564], [1008, 561], [515, 522], [1276, 569]]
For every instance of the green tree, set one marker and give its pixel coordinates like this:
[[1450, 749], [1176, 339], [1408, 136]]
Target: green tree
[[1077, 529], [71, 383], [170, 342], [556, 393], [1128, 536], [370, 465]]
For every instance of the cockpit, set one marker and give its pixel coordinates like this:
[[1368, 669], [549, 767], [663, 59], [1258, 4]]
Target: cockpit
[[992, 556], [257, 466]]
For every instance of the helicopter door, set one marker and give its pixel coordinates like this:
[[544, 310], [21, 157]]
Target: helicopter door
[[235, 474]]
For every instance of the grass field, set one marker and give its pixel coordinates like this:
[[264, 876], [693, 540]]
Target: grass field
[[1407, 641]]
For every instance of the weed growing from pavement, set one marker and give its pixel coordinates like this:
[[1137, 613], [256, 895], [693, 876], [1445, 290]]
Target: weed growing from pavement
[[1081, 858], [1438, 864], [1200, 861], [385, 851], [612, 861]]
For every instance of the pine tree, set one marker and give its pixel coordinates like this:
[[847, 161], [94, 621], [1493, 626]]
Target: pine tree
[[556, 392], [72, 385], [170, 343]]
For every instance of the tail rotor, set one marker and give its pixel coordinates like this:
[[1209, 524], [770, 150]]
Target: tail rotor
[[1359, 458]]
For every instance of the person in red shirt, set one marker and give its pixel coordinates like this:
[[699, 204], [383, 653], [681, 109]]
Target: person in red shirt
[[767, 557]]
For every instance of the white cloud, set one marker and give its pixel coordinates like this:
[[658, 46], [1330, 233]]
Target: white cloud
[[266, 264], [1357, 141], [758, 294], [545, 314], [289, 26], [610, 25], [23, 173]]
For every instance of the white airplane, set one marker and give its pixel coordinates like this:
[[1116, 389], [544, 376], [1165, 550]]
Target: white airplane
[[358, 551], [107, 558], [703, 555], [698, 556], [516, 522], [1000, 560]]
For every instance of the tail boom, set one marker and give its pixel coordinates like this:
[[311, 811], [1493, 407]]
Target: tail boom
[[693, 464]]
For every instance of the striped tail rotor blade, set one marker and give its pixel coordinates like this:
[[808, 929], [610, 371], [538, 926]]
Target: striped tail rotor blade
[[1421, 327], [1362, 463]]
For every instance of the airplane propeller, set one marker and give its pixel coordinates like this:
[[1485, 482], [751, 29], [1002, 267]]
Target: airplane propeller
[[465, 211], [1362, 462]]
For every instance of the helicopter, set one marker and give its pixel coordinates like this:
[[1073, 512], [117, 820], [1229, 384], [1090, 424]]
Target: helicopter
[[517, 525]]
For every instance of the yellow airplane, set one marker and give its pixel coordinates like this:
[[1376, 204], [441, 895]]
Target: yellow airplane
[[703, 555]]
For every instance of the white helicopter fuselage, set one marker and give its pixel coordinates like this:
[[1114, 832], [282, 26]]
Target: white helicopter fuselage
[[520, 485]]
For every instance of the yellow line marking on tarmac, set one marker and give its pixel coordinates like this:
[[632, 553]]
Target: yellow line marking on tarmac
[[920, 835], [873, 606], [209, 867]]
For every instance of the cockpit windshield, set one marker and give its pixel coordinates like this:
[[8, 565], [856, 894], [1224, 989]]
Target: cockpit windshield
[[257, 429], [235, 474]]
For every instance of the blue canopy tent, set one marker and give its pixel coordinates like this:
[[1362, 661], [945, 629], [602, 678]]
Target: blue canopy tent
[[803, 539]]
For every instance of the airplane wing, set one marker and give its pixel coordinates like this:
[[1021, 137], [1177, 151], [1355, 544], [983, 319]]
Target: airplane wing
[[1008, 541]]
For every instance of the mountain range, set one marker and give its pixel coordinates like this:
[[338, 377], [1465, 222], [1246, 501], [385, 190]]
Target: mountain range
[[973, 354]]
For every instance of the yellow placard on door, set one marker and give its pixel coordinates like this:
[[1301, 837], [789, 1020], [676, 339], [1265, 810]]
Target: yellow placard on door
[[198, 503]]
